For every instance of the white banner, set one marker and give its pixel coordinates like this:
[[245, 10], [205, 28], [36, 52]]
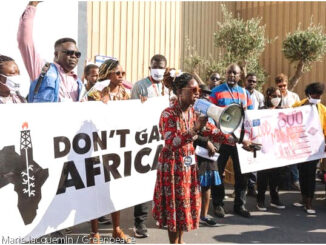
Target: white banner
[[62, 164], [288, 136]]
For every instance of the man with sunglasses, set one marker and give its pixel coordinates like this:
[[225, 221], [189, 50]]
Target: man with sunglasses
[[214, 80], [288, 99], [60, 83], [257, 97]]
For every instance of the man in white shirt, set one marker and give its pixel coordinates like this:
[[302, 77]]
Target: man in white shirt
[[257, 97], [288, 99]]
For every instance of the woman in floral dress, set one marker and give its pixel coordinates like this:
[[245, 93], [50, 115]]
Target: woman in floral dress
[[177, 199]]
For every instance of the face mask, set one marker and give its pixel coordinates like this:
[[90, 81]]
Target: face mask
[[157, 74], [13, 83], [314, 101], [275, 101]]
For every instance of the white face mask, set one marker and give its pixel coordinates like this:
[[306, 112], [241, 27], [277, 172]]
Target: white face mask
[[275, 101], [157, 74], [314, 101], [13, 83]]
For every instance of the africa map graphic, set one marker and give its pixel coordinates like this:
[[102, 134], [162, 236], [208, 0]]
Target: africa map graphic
[[24, 173]]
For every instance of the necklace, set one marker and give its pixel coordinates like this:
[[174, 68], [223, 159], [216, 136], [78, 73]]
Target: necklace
[[233, 96]]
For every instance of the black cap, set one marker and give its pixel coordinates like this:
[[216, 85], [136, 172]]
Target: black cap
[[205, 89]]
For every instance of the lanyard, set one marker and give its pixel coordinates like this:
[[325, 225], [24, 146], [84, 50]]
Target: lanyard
[[187, 125], [233, 96], [154, 86]]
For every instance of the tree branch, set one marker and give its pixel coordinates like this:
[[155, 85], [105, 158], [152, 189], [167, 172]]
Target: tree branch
[[294, 80]]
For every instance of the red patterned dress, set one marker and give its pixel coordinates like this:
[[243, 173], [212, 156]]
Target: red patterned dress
[[177, 199]]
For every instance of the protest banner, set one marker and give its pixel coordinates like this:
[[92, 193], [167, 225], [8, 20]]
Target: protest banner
[[62, 164], [287, 136]]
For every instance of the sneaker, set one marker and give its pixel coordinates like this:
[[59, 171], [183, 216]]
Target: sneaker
[[104, 220], [242, 212], [298, 204], [208, 221], [219, 211], [252, 192], [295, 186], [141, 231], [277, 204], [310, 211], [261, 206]]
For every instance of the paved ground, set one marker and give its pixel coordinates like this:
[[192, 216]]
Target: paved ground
[[291, 225]]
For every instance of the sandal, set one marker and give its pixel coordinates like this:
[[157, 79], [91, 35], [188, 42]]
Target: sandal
[[94, 238], [121, 235]]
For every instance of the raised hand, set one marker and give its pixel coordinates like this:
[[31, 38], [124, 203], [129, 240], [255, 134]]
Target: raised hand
[[34, 3]]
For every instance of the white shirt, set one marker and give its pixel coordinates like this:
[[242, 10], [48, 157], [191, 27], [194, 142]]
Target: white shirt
[[289, 99], [257, 99]]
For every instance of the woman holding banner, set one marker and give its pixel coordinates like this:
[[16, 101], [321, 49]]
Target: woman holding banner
[[112, 70], [270, 177], [307, 170], [177, 190]]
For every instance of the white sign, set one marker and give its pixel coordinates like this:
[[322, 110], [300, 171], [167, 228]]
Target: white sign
[[288, 136], [62, 164]]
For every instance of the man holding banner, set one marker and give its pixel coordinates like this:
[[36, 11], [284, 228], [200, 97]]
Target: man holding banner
[[224, 95]]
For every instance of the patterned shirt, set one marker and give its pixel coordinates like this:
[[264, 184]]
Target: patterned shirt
[[223, 95]]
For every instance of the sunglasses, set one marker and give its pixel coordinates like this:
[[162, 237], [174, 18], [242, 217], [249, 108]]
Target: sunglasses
[[276, 96], [118, 73], [195, 90], [252, 81], [71, 53], [281, 86], [215, 78]]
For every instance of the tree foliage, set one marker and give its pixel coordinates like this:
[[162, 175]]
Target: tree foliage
[[304, 47], [238, 41], [242, 42]]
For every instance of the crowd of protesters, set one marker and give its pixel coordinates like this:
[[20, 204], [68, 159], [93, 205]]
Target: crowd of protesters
[[184, 183]]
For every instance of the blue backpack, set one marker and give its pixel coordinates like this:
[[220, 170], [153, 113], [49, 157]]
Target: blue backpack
[[46, 87]]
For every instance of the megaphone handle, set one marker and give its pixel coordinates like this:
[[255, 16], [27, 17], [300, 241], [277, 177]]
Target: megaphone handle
[[255, 153], [235, 137]]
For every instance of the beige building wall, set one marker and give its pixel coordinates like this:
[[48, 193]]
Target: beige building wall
[[134, 31], [199, 22], [281, 18]]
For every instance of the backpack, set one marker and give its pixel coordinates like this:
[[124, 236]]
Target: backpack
[[46, 87]]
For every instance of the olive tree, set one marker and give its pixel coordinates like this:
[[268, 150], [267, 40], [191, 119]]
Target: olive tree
[[242, 42], [302, 48]]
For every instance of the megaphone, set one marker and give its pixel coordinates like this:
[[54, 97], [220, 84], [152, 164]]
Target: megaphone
[[227, 118]]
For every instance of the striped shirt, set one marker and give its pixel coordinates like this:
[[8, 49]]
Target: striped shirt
[[223, 95]]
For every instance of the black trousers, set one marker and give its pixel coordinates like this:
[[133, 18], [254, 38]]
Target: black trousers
[[307, 178], [241, 180], [140, 213], [267, 177]]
